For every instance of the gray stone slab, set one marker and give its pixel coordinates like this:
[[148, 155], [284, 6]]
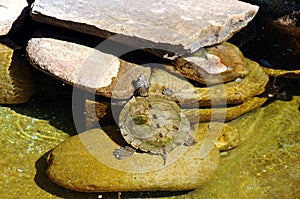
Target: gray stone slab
[[10, 10], [175, 26]]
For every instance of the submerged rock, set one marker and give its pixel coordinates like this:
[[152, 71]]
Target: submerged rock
[[86, 163], [16, 83], [166, 25]]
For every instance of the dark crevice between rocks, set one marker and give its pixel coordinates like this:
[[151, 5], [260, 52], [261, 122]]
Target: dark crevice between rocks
[[272, 37]]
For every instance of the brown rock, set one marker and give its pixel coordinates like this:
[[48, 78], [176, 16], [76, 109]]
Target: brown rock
[[227, 65], [86, 163]]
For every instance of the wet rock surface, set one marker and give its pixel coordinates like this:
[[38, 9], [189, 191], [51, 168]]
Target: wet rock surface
[[266, 163], [86, 163], [16, 81], [234, 92], [163, 25]]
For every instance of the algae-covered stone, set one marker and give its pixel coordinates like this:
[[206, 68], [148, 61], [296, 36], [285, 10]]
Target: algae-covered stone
[[16, 83], [85, 162], [218, 64], [282, 73], [227, 138], [229, 93], [266, 164], [226, 114]]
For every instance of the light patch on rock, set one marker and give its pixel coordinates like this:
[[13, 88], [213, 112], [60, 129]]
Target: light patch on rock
[[76, 64], [10, 10]]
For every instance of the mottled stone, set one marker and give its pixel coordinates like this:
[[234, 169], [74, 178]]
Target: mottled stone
[[10, 11], [86, 163], [16, 83], [218, 64], [167, 25], [234, 92], [85, 67]]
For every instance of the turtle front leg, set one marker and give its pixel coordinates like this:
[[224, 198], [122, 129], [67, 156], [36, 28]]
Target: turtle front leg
[[123, 152]]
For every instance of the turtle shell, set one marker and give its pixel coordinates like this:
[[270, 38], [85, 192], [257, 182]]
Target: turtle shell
[[154, 124]]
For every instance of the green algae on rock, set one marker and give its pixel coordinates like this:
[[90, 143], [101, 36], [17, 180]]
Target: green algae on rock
[[16, 83], [266, 163], [24, 141], [295, 74], [235, 92], [85, 162], [226, 114]]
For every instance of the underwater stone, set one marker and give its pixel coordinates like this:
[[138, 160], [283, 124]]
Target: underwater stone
[[85, 67], [16, 83], [173, 26], [85, 162]]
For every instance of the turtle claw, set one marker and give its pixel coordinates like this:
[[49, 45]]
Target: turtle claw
[[190, 141], [164, 156], [123, 152]]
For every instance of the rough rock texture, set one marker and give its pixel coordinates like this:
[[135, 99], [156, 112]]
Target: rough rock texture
[[186, 25], [16, 83], [9, 12], [234, 92], [86, 163], [218, 64], [85, 67]]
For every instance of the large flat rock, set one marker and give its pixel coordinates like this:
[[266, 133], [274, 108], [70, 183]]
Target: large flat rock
[[167, 25], [85, 162], [9, 12]]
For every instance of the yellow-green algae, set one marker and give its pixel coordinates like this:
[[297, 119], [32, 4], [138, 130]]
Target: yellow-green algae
[[24, 141], [267, 162], [16, 83]]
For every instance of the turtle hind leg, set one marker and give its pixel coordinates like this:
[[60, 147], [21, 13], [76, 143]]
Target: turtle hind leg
[[190, 141], [123, 152]]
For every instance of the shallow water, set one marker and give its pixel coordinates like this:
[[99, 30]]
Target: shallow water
[[265, 165]]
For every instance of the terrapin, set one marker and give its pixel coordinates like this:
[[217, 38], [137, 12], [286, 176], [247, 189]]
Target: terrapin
[[154, 124]]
